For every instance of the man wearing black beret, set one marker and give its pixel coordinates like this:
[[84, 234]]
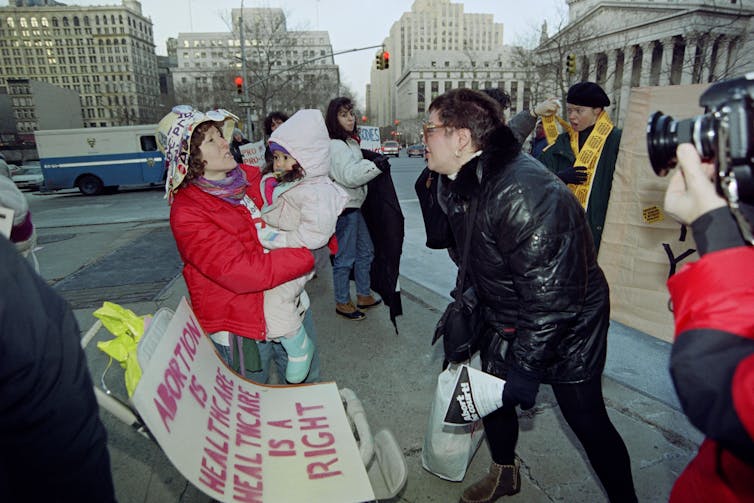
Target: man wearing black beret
[[584, 155]]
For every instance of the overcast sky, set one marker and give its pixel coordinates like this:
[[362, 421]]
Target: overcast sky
[[351, 23]]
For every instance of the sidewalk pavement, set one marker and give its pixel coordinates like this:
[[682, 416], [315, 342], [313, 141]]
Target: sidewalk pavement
[[394, 376]]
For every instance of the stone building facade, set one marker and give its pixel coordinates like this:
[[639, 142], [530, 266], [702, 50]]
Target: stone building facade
[[104, 53], [629, 43], [434, 47], [285, 70]]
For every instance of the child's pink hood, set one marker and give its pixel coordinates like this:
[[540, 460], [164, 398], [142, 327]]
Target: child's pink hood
[[305, 137]]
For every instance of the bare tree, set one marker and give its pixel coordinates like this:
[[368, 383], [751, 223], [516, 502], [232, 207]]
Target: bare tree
[[282, 72]]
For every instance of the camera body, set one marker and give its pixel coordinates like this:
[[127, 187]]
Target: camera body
[[723, 134]]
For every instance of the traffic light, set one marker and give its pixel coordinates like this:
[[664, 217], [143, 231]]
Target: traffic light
[[363, 118], [382, 60], [571, 63], [239, 84]]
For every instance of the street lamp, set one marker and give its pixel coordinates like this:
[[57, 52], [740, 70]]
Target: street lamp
[[246, 102]]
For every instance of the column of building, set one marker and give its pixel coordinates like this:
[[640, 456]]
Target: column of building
[[666, 67], [646, 63], [689, 58]]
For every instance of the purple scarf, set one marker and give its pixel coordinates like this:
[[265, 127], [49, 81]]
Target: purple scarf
[[232, 188]]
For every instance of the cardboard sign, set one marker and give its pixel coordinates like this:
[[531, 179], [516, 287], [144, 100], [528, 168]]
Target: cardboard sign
[[239, 441], [253, 154], [641, 246], [370, 138]]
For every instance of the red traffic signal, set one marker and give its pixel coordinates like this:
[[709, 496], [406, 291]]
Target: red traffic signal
[[385, 60], [363, 118], [239, 84]]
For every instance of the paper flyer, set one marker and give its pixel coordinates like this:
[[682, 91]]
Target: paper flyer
[[475, 395]]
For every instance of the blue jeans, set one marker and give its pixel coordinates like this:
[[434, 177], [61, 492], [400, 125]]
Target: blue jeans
[[355, 251], [273, 351]]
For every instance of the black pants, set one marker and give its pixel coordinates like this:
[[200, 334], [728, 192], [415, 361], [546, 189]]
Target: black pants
[[583, 408]]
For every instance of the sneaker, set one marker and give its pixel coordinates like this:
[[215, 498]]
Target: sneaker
[[367, 301], [348, 310]]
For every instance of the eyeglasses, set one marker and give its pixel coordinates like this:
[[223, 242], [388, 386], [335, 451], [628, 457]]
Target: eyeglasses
[[427, 127]]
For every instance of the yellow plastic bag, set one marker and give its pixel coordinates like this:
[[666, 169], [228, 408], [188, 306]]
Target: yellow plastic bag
[[127, 328]]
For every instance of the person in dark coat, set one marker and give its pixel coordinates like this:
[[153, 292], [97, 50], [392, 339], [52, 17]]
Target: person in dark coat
[[539, 142], [590, 136], [533, 266], [53, 444], [235, 145]]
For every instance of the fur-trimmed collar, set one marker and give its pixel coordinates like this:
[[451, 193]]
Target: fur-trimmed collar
[[501, 148]]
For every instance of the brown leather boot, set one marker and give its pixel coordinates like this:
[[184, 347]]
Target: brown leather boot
[[501, 480], [367, 301]]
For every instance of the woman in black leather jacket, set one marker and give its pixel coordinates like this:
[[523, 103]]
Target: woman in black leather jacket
[[533, 265]]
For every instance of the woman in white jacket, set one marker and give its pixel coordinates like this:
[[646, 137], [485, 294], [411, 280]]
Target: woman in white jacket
[[350, 170]]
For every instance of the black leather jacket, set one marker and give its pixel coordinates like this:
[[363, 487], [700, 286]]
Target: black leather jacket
[[533, 265]]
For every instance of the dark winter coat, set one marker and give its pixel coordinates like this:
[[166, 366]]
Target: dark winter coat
[[384, 218], [53, 444], [533, 265], [235, 149], [560, 156]]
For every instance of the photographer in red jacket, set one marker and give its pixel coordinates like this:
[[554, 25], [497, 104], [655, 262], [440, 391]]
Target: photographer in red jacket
[[712, 360]]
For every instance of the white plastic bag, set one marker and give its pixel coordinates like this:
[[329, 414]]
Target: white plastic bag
[[448, 450]]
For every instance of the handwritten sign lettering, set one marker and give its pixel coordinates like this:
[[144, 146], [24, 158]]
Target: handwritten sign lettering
[[242, 442]]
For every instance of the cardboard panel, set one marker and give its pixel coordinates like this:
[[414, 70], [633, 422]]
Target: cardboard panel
[[640, 242]]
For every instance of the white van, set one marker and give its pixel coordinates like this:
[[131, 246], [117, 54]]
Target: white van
[[93, 159]]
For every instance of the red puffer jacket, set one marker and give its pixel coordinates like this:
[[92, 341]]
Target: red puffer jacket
[[712, 364], [224, 265]]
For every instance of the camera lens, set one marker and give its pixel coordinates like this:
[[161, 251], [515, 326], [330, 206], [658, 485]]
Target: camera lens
[[661, 143], [665, 134]]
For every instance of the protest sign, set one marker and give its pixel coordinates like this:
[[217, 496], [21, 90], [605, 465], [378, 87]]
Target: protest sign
[[253, 154], [475, 395], [641, 245], [242, 442], [370, 138]]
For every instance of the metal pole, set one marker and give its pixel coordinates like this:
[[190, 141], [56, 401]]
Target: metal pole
[[247, 103]]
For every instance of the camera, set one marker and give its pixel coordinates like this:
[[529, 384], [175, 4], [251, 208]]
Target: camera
[[724, 133]]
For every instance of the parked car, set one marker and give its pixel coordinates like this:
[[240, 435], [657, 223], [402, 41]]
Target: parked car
[[416, 150], [391, 148], [28, 177]]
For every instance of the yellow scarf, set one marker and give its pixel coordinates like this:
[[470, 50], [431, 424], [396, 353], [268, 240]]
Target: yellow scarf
[[588, 155]]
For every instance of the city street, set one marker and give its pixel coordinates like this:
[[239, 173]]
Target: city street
[[119, 248]]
